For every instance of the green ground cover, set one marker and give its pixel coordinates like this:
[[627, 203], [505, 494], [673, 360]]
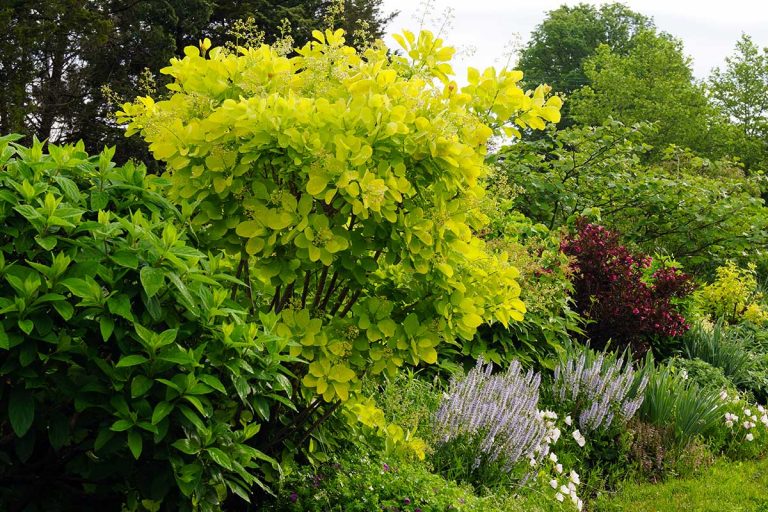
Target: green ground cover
[[724, 487]]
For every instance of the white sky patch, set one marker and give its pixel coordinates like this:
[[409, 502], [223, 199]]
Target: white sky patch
[[709, 29]]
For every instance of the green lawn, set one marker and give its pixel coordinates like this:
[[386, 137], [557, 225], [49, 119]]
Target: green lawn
[[724, 487]]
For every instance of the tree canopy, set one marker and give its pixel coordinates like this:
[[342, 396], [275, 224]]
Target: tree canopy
[[569, 35]]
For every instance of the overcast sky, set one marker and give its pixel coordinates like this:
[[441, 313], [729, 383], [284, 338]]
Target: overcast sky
[[709, 29]]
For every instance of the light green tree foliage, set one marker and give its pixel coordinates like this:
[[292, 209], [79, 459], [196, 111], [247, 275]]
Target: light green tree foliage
[[741, 90], [653, 82], [348, 184], [700, 211]]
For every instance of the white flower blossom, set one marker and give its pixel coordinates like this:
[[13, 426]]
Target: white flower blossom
[[559, 469], [747, 412], [553, 483], [568, 421], [750, 437], [729, 424], [575, 477], [559, 497], [553, 457], [579, 438]]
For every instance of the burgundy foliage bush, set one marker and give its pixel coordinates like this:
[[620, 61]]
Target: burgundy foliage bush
[[625, 299]]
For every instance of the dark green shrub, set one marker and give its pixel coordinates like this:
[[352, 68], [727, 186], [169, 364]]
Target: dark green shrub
[[701, 373], [129, 378], [359, 483], [675, 403], [719, 346]]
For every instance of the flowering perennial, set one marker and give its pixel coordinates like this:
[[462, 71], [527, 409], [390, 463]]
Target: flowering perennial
[[598, 390], [499, 411]]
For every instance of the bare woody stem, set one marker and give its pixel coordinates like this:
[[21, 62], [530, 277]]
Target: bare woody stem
[[320, 287], [307, 276]]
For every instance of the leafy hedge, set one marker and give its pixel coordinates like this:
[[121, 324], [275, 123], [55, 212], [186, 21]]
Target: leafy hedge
[[128, 375]]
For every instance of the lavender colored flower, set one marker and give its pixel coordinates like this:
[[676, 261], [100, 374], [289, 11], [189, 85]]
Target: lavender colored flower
[[293, 497], [498, 411], [599, 389]]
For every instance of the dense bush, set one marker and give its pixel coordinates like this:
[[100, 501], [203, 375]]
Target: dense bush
[[626, 297], [721, 347], [673, 402], [732, 296], [703, 212], [545, 288], [128, 375], [347, 184], [702, 373]]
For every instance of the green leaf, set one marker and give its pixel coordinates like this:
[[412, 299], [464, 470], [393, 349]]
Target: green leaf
[[132, 360], [99, 200], [152, 279], [214, 382], [192, 417], [46, 242], [5, 343], [126, 259], [58, 431], [80, 287], [140, 385], [135, 443], [165, 338], [162, 410], [341, 373], [21, 411], [262, 407], [120, 305], [187, 446], [316, 184], [283, 383], [197, 403], [64, 309], [250, 229], [103, 437], [121, 425], [26, 326], [69, 188], [106, 326], [220, 458]]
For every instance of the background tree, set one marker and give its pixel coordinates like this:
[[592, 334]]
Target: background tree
[[569, 35], [741, 90], [56, 56], [653, 82]]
